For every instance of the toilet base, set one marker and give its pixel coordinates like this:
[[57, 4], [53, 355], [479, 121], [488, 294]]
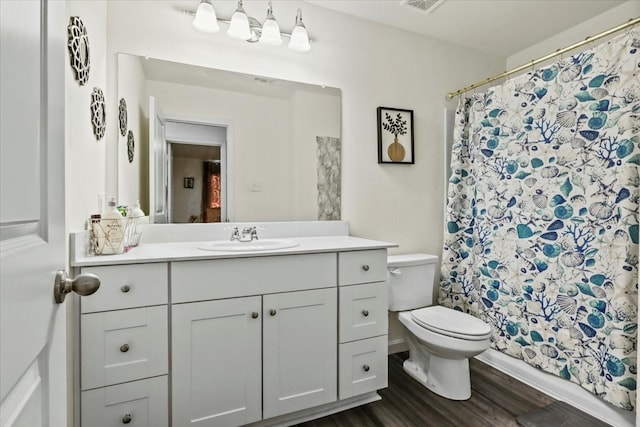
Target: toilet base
[[448, 378]]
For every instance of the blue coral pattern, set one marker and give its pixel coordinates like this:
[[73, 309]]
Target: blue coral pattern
[[541, 235]]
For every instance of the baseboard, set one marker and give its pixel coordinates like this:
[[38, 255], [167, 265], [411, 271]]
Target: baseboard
[[397, 346], [318, 411]]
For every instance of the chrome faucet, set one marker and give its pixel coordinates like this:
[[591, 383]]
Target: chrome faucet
[[248, 234], [252, 232]]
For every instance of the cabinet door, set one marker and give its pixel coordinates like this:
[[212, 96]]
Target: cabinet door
[[300, 350], [216, 361]]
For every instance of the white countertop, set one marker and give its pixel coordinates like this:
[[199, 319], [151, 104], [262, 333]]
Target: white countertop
[[189, 251]]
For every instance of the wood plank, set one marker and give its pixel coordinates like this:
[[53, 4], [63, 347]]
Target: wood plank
[[497, 400]]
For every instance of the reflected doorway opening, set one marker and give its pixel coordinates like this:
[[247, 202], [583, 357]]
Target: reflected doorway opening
[[199, 175]]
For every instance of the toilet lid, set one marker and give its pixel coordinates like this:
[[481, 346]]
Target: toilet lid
[[453, 323]]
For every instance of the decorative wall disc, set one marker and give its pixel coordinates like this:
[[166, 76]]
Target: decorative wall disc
[[98, 114], [122, 115], [130, 146], [79, 49]]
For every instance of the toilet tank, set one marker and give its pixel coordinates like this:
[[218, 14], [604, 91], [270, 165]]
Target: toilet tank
[[411, 280]]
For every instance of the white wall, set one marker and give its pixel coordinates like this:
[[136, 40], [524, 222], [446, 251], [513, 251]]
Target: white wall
[[602, 22], [374, 66], [132, 177], [85, 165]]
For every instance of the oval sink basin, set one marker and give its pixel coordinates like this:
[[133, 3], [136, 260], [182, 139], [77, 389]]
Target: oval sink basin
[[254, 245]]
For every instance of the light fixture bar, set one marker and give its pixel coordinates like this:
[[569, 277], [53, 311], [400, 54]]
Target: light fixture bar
[[228, 22]]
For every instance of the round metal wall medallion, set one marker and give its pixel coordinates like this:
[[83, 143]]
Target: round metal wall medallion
[[98, 114], [130, 146], [122, 116], [78, 44]]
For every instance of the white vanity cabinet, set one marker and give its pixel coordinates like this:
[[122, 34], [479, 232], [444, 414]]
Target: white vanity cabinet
[[123, 346], [363, 322], [240, 360], [234, 339]]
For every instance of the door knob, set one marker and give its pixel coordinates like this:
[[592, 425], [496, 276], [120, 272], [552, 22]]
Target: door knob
[[83, 285]]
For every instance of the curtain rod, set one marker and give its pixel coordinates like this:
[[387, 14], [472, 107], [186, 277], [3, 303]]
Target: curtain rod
[[631, 22]]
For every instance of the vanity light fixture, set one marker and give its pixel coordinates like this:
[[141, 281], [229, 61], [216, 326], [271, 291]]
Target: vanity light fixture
[[206, 19], [299, 37], [270, 29], [245, 27], [239, 26]]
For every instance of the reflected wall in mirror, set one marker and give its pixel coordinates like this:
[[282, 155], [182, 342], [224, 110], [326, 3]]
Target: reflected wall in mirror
[[275, 144]]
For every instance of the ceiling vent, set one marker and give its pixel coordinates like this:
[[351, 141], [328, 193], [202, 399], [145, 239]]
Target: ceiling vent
[[426, 6]]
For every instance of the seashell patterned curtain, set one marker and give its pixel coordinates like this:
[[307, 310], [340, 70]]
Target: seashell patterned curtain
[[541, 236]]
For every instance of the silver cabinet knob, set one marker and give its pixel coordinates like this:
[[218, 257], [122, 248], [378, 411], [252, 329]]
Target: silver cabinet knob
[[83, 285], [126, 419], [365, 267], [125, 289], [365, 313], [272, 312], [124, 348], [254, 315], [366, 368]]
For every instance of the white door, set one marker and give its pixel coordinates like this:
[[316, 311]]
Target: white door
[[158, 182], [299, 339], [33, 383]]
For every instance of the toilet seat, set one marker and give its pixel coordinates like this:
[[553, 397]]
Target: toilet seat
[[451, 323]]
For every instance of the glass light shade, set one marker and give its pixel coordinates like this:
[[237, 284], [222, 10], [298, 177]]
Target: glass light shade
[[206, 19], [299, 39], [239, 27], [271, 33]]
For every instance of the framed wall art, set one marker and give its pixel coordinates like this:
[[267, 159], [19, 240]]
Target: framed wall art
[[395, 136], [189, 182]]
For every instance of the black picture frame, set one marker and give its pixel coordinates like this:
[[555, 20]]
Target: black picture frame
[[395, 136], [188, 182]]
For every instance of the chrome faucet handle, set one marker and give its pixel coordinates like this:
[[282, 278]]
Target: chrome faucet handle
[[235, 234]]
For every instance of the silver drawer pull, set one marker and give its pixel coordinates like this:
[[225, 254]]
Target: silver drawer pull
[[125, 289], [126, 419], [272, 312], [124, 348], [366, 368], [365, 313], [254, 315], [365, 267]]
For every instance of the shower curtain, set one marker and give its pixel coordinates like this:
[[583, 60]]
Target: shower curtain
[[541, 235]]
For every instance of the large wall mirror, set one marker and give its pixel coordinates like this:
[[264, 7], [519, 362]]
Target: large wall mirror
[[214, 145]]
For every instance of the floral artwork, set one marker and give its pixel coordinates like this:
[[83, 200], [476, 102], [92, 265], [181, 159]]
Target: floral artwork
[[541, 235]]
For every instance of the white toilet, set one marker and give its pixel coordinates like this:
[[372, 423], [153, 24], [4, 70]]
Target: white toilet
[[441, 340]]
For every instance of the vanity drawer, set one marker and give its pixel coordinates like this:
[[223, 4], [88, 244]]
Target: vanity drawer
[[125, 345], [237, 277], [363, 311], [363, 366], [127, 286], [362, 267], [140, 403]]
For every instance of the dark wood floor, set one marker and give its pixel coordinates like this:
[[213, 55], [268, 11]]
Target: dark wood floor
[[496, 401]]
